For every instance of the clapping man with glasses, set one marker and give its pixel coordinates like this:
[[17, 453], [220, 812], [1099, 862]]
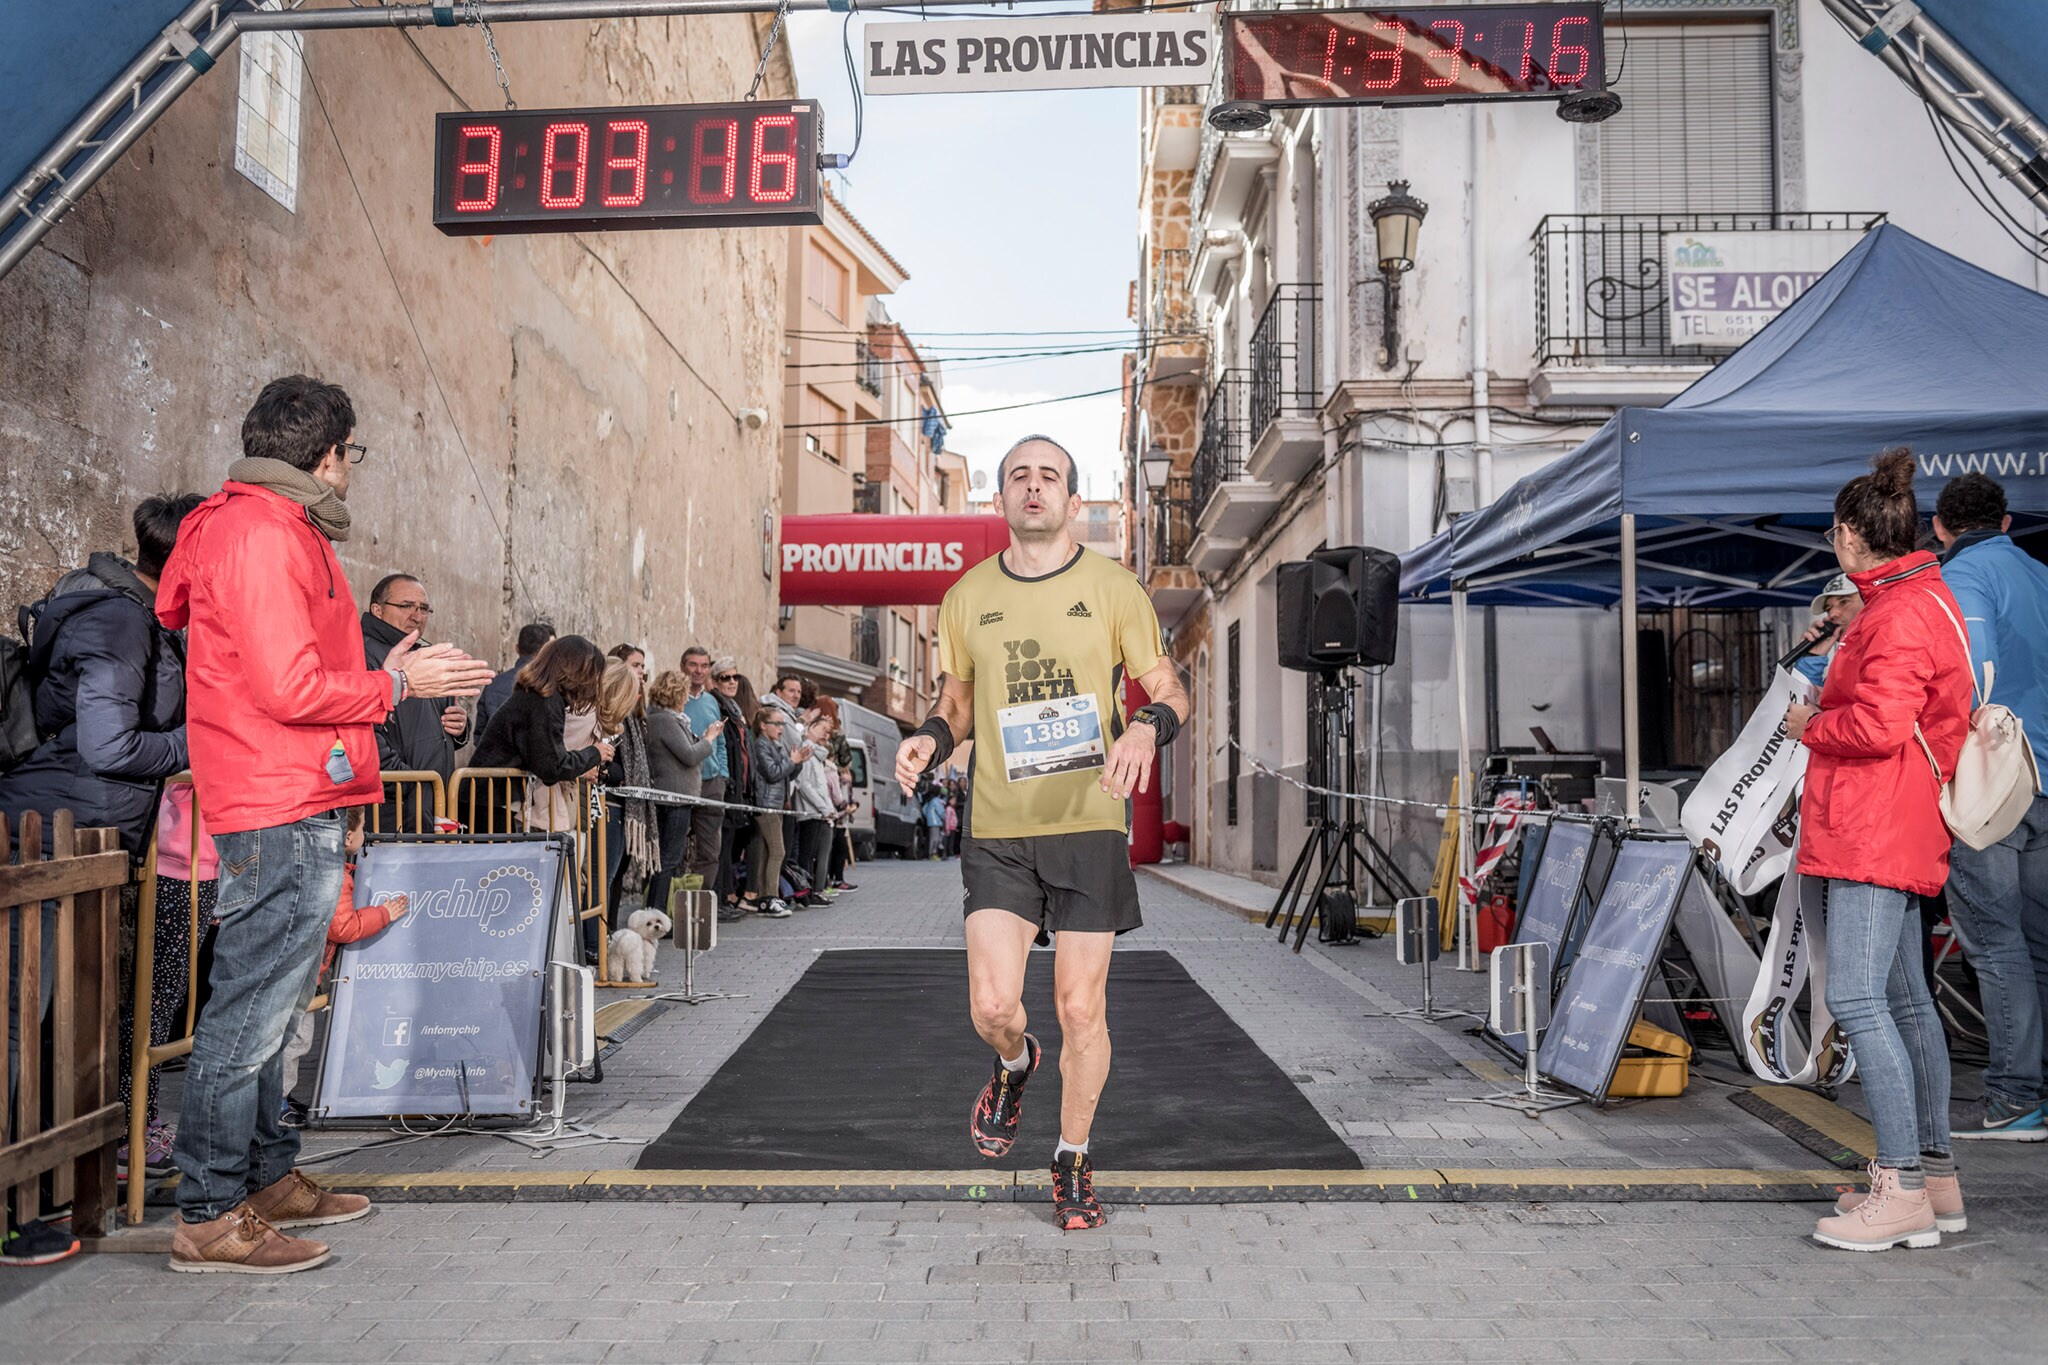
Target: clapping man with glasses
[[423, 733], [281, 715]]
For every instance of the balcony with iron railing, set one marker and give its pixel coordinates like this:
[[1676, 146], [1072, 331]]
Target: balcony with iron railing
[[867, 367], [1169, 546], [1175, 346], [1284, 415], [1229, 503], [1602, 299]]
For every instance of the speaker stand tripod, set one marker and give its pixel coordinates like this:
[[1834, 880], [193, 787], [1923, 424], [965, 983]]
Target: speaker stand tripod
[[1340, 845]]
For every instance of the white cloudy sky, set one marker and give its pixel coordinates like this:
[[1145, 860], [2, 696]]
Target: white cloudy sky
[[1013, 213]]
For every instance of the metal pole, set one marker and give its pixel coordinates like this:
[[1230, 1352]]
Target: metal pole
[[110, 145], [1468, 948], [1631, 721]]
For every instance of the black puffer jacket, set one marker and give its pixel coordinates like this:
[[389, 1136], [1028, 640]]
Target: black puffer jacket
[[112, 702], [411, 740]]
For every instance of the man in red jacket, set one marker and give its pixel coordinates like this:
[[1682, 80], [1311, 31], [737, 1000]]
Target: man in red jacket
[[280, 711]]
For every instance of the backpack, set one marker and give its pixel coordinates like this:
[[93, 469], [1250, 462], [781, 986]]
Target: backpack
[[22, 665], [1996, 778]]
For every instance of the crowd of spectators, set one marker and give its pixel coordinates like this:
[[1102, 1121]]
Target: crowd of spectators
[[230, 645]]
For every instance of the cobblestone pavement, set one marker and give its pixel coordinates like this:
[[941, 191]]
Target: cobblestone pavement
[[625, 1282]]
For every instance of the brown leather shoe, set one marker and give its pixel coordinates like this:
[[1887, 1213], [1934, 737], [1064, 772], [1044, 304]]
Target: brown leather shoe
[[296, 1202], [240, 1242]]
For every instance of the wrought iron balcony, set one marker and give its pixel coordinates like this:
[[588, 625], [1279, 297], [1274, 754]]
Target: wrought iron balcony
[[1219, 456], [1173, 524], [1284, 356], [867, 637], [867, 367], [1601, 293]]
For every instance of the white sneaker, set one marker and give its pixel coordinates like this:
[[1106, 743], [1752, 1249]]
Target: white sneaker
[[776, 908]]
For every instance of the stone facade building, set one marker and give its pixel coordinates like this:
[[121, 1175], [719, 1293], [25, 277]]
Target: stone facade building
[[553, 421]]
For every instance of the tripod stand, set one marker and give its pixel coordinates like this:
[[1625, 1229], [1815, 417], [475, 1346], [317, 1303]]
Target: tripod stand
[[1340, 845], [695, 903]]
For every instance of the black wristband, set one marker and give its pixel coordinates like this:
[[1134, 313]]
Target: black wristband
[[1165, 724], [942, 740]]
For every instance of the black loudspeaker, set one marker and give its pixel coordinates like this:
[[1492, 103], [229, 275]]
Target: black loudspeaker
[[1339, 608]]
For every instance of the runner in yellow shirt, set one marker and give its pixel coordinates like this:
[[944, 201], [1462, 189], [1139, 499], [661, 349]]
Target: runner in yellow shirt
[[1035, 643]]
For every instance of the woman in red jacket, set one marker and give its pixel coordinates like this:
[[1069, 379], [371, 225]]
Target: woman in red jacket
[[1870, 823]]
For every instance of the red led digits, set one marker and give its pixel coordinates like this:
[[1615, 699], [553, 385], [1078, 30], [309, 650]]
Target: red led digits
[[467, 167], [721, 161], [554, 165], [783, 160], [1329, 46], [1528, 53], [1452, 47], [1559, 49], [1389, 55], [633, 163]]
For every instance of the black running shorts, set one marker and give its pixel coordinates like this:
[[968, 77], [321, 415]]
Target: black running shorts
[[1076, 882]]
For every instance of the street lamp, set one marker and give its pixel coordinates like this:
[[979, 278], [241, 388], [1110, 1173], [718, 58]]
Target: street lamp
[[1396, 223], [1155, 468]]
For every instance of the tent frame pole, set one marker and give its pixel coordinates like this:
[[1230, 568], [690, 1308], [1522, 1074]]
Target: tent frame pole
[[1631, 700], [1467, 793]]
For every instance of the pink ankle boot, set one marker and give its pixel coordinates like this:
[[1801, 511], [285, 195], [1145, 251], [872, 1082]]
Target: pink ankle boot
[[1885, 1218], [1944, 1192]]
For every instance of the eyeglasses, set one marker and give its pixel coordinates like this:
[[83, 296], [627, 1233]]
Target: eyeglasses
[[1833, 531], [353, 450], [724, 677], [421, 607]]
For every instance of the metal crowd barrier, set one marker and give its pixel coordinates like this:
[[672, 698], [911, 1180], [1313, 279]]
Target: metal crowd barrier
[[490, 801], [73, 1143], [419, 800]]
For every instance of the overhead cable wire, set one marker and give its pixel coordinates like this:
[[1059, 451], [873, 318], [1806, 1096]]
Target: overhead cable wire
[[951, 416]]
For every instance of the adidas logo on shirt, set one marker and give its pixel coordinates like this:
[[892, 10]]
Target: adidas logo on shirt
[[1079, 609]]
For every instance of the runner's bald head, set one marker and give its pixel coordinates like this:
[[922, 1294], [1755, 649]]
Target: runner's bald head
[[1073, 469]]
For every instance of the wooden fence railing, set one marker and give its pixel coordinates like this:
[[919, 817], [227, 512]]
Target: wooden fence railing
[[62, 1121]]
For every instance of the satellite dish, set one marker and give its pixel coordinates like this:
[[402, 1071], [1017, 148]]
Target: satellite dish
[[978, 480]]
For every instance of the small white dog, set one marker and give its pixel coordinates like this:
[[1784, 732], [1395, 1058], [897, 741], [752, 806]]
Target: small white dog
[[632, 948]]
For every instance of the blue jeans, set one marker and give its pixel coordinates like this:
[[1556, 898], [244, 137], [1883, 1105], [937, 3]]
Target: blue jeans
[[1877, 991], [278, 892], [1998, 903]]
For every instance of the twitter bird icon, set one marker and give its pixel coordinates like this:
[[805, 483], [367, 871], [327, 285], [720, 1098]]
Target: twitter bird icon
[[390, 1074]]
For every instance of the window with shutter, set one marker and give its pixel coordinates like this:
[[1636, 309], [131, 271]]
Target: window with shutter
[[1695, 133]]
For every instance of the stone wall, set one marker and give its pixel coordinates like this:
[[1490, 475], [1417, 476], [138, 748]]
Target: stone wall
[[551, 419]]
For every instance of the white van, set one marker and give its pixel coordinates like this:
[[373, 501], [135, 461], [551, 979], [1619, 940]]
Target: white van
[[886, 821]]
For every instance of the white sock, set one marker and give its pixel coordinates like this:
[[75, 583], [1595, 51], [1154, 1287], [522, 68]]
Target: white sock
[[1015, 1064], [1079, 1149]]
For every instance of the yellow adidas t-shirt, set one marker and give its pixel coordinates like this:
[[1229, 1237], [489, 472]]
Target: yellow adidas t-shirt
[[1043, 655]]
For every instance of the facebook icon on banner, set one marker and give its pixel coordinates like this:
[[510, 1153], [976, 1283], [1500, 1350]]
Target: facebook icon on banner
[[397, 1032]]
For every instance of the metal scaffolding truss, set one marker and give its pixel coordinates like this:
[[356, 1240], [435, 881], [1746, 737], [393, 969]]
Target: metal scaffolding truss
[[193, 43], [2002, 129]]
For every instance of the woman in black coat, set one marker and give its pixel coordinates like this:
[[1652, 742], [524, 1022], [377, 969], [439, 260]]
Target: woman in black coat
[[526, 732]]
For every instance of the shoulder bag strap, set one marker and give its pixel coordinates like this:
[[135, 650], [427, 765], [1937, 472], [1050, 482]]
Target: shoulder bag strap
[[1969, 660]]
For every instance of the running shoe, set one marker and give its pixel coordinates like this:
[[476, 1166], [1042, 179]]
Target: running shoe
[[1074, 1205], [844, 886], [37, 1243], [1993, 1118], [993, 1124], [776, 908]]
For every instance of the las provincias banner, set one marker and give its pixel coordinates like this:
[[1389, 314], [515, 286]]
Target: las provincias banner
[[854, 559]]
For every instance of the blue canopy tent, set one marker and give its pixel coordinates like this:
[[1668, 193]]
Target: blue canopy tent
[[1720, 496]]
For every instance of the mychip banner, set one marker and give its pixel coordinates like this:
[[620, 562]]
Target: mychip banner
[[1057, 52], [442, 1012]]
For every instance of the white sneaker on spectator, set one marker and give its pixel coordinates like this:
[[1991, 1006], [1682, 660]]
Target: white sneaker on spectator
[[776, 908]]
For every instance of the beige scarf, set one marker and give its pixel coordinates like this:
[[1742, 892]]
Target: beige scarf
[[322, 503]]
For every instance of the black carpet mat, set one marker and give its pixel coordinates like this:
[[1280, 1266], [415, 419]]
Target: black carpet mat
[[869, 1063]]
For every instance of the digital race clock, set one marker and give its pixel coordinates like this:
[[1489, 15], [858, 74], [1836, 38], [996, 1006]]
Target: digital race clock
[[671, 165], [1385, 55]]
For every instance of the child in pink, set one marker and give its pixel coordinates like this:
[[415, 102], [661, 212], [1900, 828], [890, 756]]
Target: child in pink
[[179, 876]]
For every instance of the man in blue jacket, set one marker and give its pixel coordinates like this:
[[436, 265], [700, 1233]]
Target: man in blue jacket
[[1998, 897]]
